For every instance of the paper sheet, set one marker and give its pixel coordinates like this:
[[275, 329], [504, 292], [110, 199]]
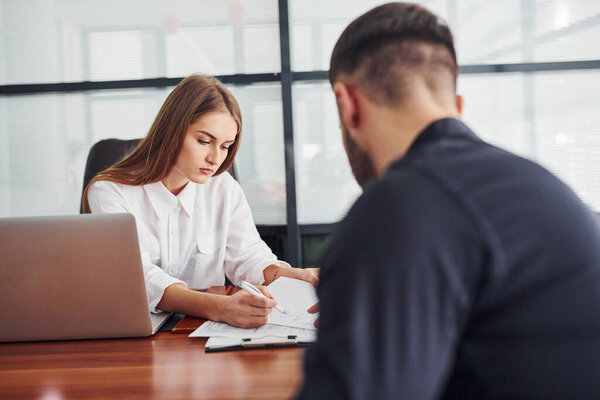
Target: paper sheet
[[296, 297], [211, 328]]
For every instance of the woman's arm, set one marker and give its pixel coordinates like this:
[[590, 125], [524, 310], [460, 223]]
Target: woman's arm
[[241, 309], [107, 197], [275, 271], [248, 256]]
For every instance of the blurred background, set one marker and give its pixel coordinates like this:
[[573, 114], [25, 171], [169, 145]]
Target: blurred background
[[73, 72]]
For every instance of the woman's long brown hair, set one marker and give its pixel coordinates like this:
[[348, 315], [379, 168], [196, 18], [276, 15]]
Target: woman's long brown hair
[[155, 155]]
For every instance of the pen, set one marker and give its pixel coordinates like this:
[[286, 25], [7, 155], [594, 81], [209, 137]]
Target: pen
[[250, 288]]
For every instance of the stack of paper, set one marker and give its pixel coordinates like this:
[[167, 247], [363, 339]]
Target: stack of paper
[[293, 328]]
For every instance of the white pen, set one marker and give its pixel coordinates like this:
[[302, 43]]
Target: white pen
[[250, 288]]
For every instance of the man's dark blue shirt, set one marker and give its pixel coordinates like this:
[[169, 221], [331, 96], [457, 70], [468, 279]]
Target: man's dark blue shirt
[[463, 272]]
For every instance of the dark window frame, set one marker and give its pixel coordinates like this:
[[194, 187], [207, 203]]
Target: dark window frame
[[289, 236]]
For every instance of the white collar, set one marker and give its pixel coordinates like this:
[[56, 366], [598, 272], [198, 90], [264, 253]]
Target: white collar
[[163, 200]]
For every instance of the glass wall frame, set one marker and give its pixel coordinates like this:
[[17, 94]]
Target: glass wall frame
[[547, 50]]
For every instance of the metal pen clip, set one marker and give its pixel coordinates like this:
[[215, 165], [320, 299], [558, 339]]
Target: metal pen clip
[[261, 342]]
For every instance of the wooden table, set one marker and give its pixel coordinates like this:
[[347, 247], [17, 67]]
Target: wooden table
[[166, 366]]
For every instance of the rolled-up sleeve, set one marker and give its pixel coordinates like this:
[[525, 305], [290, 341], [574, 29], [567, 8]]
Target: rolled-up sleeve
[[105, 198]]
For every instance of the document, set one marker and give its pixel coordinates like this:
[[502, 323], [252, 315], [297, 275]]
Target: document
[[296, 297], [226, 337], [211, 328], [293, 328]]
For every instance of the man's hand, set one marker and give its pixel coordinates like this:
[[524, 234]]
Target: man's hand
[[313, 310]]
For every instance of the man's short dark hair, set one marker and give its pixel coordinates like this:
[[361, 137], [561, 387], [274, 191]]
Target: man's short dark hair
[[386, 47]]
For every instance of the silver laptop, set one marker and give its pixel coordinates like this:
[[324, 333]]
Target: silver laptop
[[72, 277]]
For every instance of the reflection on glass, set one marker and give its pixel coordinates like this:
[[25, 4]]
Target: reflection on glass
[[46, 41], [123, 114], [260, 163], [45, 156], [324, 182], [261, 48], [494, 109], [208, 50], [485, 32], [115, 55], [567, 125], [550, 117]]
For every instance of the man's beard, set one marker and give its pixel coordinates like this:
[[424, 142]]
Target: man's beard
[[360, 162]]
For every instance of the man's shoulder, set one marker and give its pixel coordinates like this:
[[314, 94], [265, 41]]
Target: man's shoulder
[[406, 185], [403, 197]]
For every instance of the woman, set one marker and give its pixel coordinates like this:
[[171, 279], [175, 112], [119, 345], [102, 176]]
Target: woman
[[193, 221]]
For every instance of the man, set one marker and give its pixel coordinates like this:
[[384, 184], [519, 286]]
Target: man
[[463, 271]]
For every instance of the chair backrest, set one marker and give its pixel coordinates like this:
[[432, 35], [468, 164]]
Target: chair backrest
[[103, 154], [106, 152]]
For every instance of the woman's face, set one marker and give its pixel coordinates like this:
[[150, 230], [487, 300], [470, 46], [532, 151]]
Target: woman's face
[[204, 149]]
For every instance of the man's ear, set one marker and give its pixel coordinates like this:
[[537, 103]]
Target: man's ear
[[460, 103], [347, 104]]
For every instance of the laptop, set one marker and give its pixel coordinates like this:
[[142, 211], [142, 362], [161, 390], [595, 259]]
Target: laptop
[[72, 277]]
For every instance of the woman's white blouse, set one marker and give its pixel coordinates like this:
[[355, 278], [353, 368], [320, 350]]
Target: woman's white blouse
[[194, 238]]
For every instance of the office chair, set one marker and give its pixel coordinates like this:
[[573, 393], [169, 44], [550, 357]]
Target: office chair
[[106, 152], [103, 154]]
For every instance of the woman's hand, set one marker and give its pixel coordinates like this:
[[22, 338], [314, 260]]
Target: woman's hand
[[306, 274], [246, 310], [272, 272]]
